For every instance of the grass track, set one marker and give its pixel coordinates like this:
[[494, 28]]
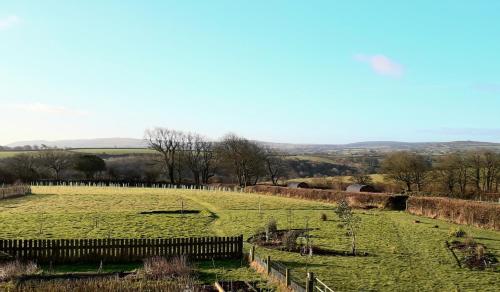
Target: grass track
[[404, 256]]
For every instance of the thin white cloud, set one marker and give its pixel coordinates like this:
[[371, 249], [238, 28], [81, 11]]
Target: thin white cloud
[[382, 65], [42, 108], [9, 21]]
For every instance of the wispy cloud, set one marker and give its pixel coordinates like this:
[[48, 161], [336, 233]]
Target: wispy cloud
[[382, 65], [42, 108], [9, 21]]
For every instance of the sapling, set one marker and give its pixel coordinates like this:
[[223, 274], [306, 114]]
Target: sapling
[[349, 220]]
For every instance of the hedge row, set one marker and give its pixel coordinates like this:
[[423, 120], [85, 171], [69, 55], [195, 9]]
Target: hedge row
[[357, 200], [14, 191], [479, 214]]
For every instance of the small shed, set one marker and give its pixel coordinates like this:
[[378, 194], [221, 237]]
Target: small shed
[[298, 185], [358, 188]]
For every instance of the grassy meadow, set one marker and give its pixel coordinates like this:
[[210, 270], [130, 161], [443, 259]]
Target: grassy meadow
[[402, 255]]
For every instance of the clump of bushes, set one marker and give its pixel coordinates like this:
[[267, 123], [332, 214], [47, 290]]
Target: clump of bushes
[[457, 232], [160, 268], [12, 270]]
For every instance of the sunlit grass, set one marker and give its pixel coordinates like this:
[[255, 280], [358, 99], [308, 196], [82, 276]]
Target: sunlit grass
[[403, 255]]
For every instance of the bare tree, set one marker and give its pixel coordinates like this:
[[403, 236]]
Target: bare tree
[[407, 168], [167, 143], [198, 156], [56, 160], [244, 158], [276, 165]]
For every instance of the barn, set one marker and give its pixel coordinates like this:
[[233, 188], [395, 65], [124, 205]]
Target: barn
[[359, 188], [298, 185]]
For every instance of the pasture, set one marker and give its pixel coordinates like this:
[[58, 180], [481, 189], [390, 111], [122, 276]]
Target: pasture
[[402, 255]]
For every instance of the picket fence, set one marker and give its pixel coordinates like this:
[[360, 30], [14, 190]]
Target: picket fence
[[112, 250]]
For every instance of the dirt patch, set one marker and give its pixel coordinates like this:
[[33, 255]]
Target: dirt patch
[[295, 240], [472, 255], [155, 212]]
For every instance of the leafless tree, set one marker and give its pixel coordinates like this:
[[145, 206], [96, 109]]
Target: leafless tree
[[407, 168], [243, 157], [276, 165], [167, 143], [55, 160]]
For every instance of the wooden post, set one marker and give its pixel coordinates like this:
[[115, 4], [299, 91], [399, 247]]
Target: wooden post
[[310, 282], [252, 253], [287, 277], [268, 265]]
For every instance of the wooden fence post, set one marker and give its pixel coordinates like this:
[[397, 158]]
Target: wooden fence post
[[310, 282], [268, 268], [287, 277], [252, 253]]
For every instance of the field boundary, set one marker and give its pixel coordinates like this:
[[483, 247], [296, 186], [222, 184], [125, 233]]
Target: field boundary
[[479, 214], [357, 200], [14, 192], [111, 250]]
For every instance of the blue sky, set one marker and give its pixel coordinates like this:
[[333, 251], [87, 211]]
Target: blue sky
[[284, 71]]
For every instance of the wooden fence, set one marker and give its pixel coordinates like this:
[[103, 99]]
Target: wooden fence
[[121, 250], [14, 191]]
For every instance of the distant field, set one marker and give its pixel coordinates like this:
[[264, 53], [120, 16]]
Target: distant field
[[6, 154], [377, 178], [403, 256], [97, 151], [113, 151]]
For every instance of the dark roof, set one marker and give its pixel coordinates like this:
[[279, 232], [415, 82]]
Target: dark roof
[[356, 188], [296, 185]]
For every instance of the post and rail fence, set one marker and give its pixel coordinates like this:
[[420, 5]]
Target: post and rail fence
[[112, 250], [281, 273]]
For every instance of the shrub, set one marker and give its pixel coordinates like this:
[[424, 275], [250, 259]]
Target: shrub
[[323, 217], [457, 232], [159, 268], [12, 270], [289, 239]]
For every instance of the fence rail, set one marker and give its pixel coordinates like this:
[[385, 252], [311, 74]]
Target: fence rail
[[14, 191], [121, 250]]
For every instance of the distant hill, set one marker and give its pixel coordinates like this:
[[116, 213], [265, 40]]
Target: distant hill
[[359, 147], [86, 143]]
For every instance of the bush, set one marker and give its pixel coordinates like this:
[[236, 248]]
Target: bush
[[289, 239], [457, 232], [159, 268], [12, 270]]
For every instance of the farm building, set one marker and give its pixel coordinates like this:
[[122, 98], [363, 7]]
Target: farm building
[[358, 188], [298, 185]]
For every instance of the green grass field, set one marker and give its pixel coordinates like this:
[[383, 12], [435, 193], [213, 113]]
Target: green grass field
[[403, 255]]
